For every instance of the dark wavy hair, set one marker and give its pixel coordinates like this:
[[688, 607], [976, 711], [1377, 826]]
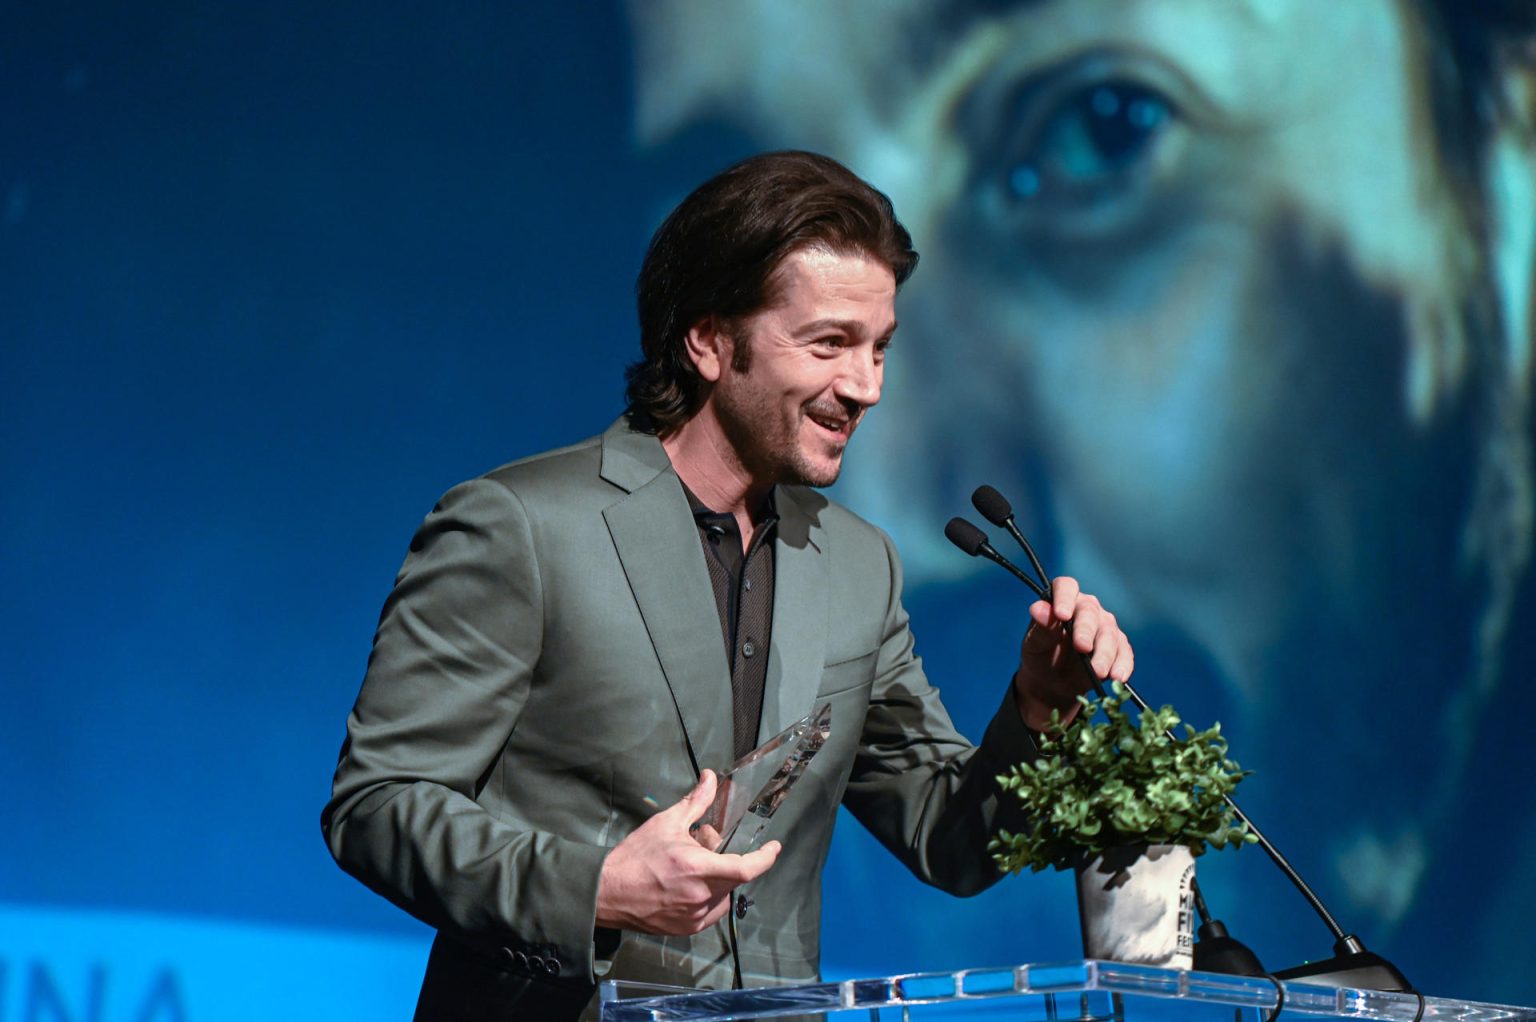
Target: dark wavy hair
[[718, 254]]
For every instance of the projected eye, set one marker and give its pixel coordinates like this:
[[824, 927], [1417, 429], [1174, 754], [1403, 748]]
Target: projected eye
[[1089, 143], [1091, 139], [1105, 152]]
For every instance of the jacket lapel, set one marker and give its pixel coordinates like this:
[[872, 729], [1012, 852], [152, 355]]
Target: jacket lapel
[[801, 612], [658, 545]]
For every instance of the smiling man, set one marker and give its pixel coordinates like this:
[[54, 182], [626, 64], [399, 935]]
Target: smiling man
[[549, 696]]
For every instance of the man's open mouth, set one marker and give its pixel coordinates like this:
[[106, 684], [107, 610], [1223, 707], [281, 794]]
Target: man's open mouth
[[842, 426]]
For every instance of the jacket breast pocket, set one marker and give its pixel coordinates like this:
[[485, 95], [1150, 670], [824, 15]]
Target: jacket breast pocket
[[846, 675]]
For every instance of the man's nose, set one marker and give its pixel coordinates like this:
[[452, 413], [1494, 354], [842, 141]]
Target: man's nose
[[861, 379]]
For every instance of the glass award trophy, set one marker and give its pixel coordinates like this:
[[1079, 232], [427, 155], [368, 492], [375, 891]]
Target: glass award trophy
[[758, 783]]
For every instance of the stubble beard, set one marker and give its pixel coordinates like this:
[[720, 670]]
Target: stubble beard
[[751, 427], [806, 474], [771, 452], [770, 449]]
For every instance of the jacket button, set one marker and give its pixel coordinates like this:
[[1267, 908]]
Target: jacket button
[[742, 904], [551, 967], [522, 960]]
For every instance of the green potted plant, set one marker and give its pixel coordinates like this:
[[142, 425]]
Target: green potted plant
[[1126, 802]]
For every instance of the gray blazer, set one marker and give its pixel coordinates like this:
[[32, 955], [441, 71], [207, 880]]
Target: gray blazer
[[548, 671]]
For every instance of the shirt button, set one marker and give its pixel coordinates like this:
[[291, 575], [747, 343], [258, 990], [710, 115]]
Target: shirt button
[[747, 649], [747, 585]]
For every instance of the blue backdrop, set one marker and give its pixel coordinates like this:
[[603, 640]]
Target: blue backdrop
[[274, 276]]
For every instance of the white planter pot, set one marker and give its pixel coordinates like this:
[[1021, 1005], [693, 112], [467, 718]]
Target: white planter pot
[[1137, 905]]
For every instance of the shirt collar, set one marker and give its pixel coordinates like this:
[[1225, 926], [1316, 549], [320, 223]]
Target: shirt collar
[[704, 516]]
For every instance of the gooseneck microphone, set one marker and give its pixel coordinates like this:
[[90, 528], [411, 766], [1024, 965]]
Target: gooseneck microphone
[[994, 507], [1351, 965], [974, 542]]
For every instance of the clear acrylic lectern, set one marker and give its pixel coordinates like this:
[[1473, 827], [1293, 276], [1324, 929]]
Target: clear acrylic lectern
[[1085, 991]]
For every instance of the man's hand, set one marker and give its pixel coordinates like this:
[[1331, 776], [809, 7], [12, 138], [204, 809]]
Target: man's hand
[[1051, 674], [659, 879]]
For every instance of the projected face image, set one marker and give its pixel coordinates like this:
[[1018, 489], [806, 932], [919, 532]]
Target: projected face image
[[1227, 293]]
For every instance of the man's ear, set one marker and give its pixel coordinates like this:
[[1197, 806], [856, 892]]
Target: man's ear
[[708, 348]]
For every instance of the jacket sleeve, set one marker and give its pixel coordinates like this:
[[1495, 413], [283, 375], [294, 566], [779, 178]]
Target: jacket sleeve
[[920, 787], [453, 659]]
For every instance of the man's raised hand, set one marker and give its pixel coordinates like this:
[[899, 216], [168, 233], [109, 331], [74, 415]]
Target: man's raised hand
[[1072, 628], [659, 879]]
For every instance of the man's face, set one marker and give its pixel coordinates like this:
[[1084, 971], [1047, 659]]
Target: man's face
[[814, 362]]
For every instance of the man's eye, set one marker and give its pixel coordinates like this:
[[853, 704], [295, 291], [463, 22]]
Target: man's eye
[[1090, 141]]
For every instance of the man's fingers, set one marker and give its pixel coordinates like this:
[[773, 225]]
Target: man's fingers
[[693, 804], [726, 871], [1067, 603], [1111, 656], [1086, 627], [1125, 663], [757, 862], [703, 793], [689, 809], [707, 836], [1064, 592]]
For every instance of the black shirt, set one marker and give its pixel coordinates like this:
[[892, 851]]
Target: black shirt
[[743, 585]]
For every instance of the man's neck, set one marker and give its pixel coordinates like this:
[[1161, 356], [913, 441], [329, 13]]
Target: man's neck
[[709, 466]]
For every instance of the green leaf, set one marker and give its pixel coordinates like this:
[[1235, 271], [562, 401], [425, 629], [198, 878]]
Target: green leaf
[[1114, 777]]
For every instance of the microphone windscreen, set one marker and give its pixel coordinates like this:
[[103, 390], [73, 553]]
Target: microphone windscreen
[[965, 536], [994, 507]]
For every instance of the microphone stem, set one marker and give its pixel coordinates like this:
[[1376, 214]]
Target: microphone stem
[[990, 553], [1264, 843], [1200, 906]]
